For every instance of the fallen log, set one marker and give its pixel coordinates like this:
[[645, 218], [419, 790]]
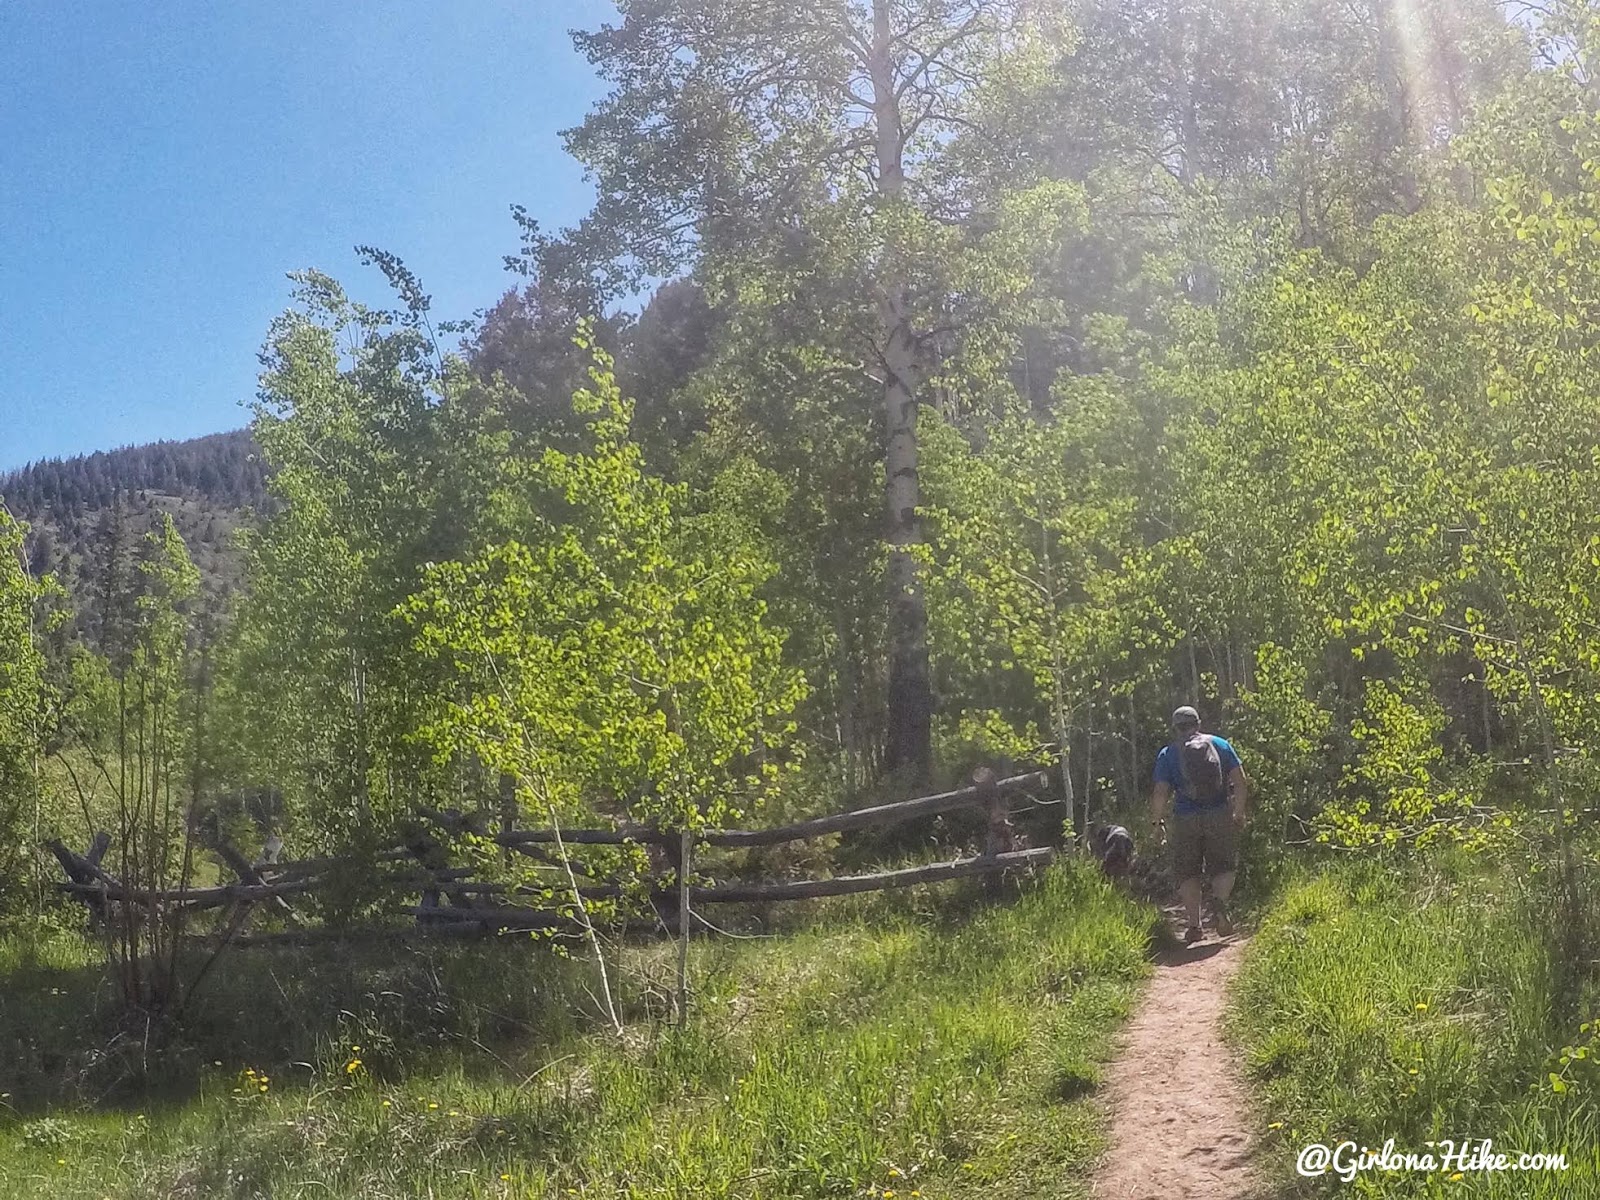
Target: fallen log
[[209, 897], [546, 859], [85, 872], [322, 935], [84, 868]]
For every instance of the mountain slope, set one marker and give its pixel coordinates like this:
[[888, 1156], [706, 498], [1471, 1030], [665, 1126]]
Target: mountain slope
[[209, 485]]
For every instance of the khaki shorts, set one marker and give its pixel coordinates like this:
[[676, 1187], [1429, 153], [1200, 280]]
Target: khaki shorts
[[1204, 843]]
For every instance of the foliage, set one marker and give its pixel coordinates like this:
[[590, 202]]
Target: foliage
[[26, 698], [135, 718], [1039, 578], [1293, 761], [838, 211], [376, 474], [1017, 373], [616, 652]]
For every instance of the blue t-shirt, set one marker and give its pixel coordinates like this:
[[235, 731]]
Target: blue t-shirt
[[1170, 771]]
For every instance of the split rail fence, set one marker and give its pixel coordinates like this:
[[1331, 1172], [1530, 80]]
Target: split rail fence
[[444, 898]]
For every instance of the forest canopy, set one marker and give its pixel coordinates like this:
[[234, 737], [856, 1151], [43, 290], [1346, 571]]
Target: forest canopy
[[1009, 374]]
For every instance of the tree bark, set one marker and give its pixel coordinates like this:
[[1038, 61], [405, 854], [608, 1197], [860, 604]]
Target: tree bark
[[909, 743], [1059, 696]]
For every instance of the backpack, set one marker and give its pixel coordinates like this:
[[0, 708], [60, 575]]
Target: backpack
[[1201, 766]]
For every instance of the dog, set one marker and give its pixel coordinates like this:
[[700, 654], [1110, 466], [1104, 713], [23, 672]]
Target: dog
[[1113, 846]]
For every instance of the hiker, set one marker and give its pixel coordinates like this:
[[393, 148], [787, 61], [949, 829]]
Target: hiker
[[1203, 772]]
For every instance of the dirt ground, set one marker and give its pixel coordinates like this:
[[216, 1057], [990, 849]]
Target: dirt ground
[[1179, 1124]]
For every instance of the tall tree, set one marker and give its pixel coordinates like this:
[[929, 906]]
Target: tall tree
[[377, 471], [613, 655], [787, 148]]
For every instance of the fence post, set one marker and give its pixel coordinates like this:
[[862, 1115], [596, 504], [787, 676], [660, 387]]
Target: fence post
[[97, 848], [998, 837], [86, 869], [431, 854], [508, 810], [685, 866], [250, 877]]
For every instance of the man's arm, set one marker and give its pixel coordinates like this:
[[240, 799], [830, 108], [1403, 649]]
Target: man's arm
[[1160, 795], [1239, 792]]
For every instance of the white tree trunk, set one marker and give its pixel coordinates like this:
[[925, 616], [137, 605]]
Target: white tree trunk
[[910, 719]]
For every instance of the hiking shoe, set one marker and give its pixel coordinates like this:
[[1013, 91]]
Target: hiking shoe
[[1223, 926], [1193, 935]]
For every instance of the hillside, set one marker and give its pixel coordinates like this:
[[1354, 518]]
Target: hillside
[[210, 486]]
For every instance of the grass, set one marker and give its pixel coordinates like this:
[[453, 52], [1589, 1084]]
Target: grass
[[1415, 1004], [917, 1045]]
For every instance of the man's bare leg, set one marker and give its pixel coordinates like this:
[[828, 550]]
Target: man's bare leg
[[1189, 892], [1221, 889]]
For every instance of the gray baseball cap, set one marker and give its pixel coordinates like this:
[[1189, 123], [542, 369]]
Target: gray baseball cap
[[1185, 715]]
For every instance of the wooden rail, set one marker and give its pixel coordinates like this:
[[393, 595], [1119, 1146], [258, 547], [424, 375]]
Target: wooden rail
[[844, 885], [841, 822], [452, 900]]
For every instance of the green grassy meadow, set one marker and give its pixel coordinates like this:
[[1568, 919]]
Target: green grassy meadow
[[914, 1045], [1414, 1002]]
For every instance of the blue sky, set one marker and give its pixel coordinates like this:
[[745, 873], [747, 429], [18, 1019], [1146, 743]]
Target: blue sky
[[164, 164]]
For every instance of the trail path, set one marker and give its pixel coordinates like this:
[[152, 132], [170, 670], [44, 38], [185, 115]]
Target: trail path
[[1178, 1108]]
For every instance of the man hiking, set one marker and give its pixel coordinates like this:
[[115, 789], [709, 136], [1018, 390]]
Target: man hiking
[[1204, 774]]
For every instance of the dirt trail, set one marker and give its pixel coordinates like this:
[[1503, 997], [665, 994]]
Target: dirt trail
[[1178, 1108]]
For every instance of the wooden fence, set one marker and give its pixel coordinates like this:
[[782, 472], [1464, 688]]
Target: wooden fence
[[421, 882]]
